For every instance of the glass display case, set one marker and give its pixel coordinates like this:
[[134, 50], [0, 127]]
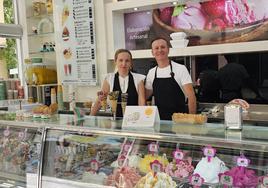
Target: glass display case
[[20, 147], [102, 154], [98, 152]]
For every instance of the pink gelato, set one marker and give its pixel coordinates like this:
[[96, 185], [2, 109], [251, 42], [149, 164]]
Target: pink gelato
[[227, 13], [260, 9], [238, 12], [125, 177], [180, 170], [243, 177]]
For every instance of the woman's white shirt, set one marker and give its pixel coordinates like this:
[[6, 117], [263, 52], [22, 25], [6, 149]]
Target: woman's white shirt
[[124, 81]]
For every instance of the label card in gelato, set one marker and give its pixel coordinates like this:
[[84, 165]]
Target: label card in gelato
[[226, 180], [138, 117], [242, 161], [6, 132], [94, 165], [121, 160], [178, 154], [153, 148], [265, 181], [156, 166], [23, 134], [209, 151], [126, 147], [196, 180]]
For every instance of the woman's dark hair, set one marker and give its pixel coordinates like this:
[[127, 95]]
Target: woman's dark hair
[[119, 51]]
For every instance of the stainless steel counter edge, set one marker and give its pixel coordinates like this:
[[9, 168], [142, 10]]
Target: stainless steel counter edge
[[261, 146]]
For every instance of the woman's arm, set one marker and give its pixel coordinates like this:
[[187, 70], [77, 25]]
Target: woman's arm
[[97, 104], [141, 94]]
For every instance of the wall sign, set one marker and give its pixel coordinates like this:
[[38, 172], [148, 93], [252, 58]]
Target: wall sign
[[76, 41], [229, 21]]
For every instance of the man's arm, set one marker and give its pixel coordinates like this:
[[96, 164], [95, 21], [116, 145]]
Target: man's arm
[[190, 94]]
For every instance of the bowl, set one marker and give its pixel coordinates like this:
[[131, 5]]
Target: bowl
[[243, 33], [178, 35], [179, 43]]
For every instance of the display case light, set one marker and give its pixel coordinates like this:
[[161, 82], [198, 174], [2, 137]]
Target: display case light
[[135, 9]]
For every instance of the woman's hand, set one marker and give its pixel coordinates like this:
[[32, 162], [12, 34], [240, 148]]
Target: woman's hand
[[102, 96]]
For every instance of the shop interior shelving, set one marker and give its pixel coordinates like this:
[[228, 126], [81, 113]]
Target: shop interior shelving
[[43, 34]]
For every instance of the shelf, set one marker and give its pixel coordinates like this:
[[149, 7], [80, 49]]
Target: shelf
[[41, 34], [255, 46], [42, 85], [12, 176], [42, 64], [39, 16], [41, 53], [127, 6]]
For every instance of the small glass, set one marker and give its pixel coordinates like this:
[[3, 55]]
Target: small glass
[[124, 97], [113, 97], [103, 98], [88, 104]]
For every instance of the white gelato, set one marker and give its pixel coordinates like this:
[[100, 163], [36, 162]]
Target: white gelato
[[210, 170]]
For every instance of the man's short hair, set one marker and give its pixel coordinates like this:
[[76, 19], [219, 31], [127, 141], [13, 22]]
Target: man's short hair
[[159, 38], [231, 58]]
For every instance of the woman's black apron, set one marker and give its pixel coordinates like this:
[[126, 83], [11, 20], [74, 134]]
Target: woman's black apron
[[131, 91], [169, 97]]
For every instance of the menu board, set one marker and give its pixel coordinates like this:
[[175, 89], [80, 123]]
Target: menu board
[[76, 41]]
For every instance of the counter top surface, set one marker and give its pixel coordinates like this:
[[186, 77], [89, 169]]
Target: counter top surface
[[250, 137]]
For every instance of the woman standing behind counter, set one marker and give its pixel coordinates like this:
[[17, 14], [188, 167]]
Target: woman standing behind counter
[[123, 81]]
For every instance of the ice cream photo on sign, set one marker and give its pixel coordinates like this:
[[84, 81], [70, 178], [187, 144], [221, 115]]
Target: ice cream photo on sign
[[65, 34], [208, 22]]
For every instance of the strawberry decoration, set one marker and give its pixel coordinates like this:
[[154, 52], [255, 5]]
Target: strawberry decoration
[[165, 14], [214, 8]]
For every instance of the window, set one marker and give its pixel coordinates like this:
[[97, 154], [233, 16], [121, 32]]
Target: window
[[9, 43]]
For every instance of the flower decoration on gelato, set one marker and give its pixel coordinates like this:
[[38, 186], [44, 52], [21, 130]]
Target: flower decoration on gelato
[[94, 165], [156, 166], [196, 180]]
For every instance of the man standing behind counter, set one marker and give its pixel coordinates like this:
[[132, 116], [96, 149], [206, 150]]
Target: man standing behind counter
[[169, 82], [233, 77]]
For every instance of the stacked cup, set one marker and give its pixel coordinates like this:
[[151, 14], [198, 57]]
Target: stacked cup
[[178, 40]]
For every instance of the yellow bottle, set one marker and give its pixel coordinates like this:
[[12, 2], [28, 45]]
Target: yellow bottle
[[49, 6]]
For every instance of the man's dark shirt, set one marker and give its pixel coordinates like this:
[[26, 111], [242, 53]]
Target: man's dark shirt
[[232, 77], [209, 86]]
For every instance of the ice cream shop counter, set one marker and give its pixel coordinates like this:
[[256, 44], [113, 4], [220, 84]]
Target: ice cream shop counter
[[98, 152]]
